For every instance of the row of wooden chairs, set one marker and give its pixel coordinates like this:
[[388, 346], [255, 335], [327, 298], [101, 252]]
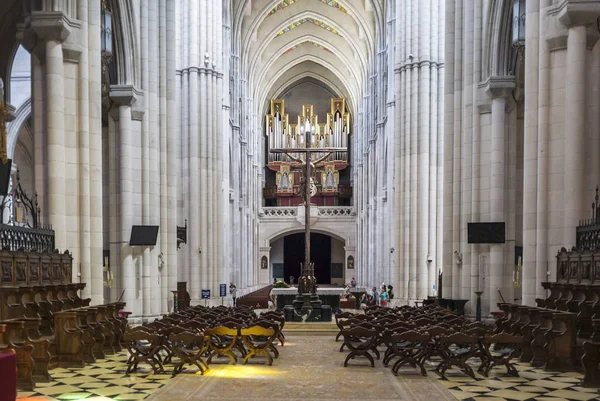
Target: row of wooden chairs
[[415, 336], [197, 335]]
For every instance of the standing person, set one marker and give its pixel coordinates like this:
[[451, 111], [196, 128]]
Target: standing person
[[353, 282], [233, 292], [383, 297], [375, 296]]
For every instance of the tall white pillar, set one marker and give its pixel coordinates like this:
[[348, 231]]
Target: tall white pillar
[[577, 16], [56, 140], [530, 153], [499, 88], [575, 132], [129, 271]]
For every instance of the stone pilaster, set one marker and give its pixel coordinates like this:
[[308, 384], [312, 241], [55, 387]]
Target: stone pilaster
[[576, 15], [499, 88]]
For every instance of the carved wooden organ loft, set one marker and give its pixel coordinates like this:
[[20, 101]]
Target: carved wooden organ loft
[[282, 186]]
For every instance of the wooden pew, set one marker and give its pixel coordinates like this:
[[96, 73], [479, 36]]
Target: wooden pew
[[88, 337], [549, 336], [25, 365], [69, 340], [561, 343]]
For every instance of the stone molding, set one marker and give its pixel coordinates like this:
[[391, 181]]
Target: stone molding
[[129, 95], [124, 95], [52, 25], [418, 64], [576, 12], [200, 70], [11, 112], [498, 86], [555, 32]]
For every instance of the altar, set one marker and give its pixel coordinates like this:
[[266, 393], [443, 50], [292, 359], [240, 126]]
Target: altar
[[329, 296]]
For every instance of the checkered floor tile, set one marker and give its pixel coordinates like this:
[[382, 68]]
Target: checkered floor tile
[[106, 381], [532, 384], [101, 381]]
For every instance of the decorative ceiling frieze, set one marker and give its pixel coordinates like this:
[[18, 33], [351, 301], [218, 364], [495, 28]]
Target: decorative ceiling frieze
[[310, 43], [309, 20], [283, 4]]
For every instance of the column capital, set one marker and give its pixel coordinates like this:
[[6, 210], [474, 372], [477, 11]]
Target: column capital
[[577, 12], [124, 95], [52, 25], [499, 86], [11, 112], [127, 95]]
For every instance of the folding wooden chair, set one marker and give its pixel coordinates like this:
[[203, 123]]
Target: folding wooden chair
[[359, 341], [189, 348], [456, 349], [257, 341], [143, 348], [340, 319], [222, 341], [409, 347], [511, 346]]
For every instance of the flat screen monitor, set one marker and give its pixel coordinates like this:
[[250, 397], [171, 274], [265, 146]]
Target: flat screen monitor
[[143, 235], [486, 233]]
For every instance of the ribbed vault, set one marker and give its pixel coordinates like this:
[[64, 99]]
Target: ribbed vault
[[337, 51]]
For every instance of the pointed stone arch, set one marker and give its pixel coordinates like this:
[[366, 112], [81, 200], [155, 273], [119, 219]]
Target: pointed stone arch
[[126, 43]]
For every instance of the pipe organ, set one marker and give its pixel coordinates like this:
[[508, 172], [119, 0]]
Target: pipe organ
[[282, 134], [333, 133]]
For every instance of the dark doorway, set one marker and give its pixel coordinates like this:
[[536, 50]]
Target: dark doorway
[[320, 254]]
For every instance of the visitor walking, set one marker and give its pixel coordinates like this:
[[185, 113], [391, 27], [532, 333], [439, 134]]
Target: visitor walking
[[233, 292], [375, 296], [383, 297]]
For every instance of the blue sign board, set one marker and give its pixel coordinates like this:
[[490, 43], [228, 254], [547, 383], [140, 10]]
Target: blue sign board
[[223, 290], [205, 294]]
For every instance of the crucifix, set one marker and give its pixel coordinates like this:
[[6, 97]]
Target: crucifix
[[307, 283]]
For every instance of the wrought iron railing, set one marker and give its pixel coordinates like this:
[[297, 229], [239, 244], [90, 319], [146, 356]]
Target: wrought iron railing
[[28, 239], [24, 229], [588, 231]]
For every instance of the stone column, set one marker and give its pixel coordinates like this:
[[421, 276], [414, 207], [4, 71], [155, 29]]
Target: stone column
[[125, 97], [530, 153], [576, 15], [173, 135], [83, 166], [95, 151], [499, 88], [543, 143], [52, 28]]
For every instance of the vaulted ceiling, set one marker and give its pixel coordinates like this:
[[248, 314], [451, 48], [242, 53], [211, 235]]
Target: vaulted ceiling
[[282, 42]]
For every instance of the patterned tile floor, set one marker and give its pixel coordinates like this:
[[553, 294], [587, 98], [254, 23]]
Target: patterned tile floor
[[532, 384], [101, 381], [106, 381]]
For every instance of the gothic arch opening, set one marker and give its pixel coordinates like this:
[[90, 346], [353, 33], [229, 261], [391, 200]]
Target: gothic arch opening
[[327, 253]]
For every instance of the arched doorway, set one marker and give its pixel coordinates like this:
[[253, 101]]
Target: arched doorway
[[327, 253]]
